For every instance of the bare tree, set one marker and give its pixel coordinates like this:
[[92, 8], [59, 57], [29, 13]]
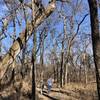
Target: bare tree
[[19, 42], [95, 39]]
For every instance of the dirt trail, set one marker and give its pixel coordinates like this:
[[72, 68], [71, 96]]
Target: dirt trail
[[61, 94], [55, 95]]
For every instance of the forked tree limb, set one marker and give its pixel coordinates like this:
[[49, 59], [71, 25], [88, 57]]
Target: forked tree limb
[[20, 41]]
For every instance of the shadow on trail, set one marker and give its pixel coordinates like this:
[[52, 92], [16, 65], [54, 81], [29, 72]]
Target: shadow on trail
[[52, 98], [45, 93]]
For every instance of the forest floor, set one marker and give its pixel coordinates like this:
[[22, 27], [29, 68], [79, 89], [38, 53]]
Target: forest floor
[[68, 92]]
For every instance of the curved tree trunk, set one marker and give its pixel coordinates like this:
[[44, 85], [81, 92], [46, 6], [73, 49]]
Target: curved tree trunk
[[20, 41], [95, 40]]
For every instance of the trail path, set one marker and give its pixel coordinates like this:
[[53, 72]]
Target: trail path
[[61, 94]]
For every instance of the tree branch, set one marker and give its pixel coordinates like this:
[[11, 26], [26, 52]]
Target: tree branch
[[20, 41]]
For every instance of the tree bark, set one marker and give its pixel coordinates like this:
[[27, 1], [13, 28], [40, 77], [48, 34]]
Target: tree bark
[[42, 39], [65, 78], [62, 65], [20, 41], [57, 74], [95, 39], [34, 67], [34, 9]]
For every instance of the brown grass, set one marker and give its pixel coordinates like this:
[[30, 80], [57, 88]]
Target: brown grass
[[85, 87]]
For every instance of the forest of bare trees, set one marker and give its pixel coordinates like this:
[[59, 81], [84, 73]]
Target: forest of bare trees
[[49, 39]]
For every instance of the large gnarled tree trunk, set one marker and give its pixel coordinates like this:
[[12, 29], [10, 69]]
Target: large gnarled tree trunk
[[20, 41]]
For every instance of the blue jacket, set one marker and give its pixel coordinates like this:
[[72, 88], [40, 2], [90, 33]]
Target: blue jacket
[[49, 82]]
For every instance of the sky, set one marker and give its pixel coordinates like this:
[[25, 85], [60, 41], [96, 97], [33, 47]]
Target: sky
[[84, 28]]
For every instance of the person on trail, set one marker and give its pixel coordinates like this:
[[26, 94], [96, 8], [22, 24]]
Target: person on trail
[[49, 84], [42, 86]]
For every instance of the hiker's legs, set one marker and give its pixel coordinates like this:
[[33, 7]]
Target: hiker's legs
[[49, 88]]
